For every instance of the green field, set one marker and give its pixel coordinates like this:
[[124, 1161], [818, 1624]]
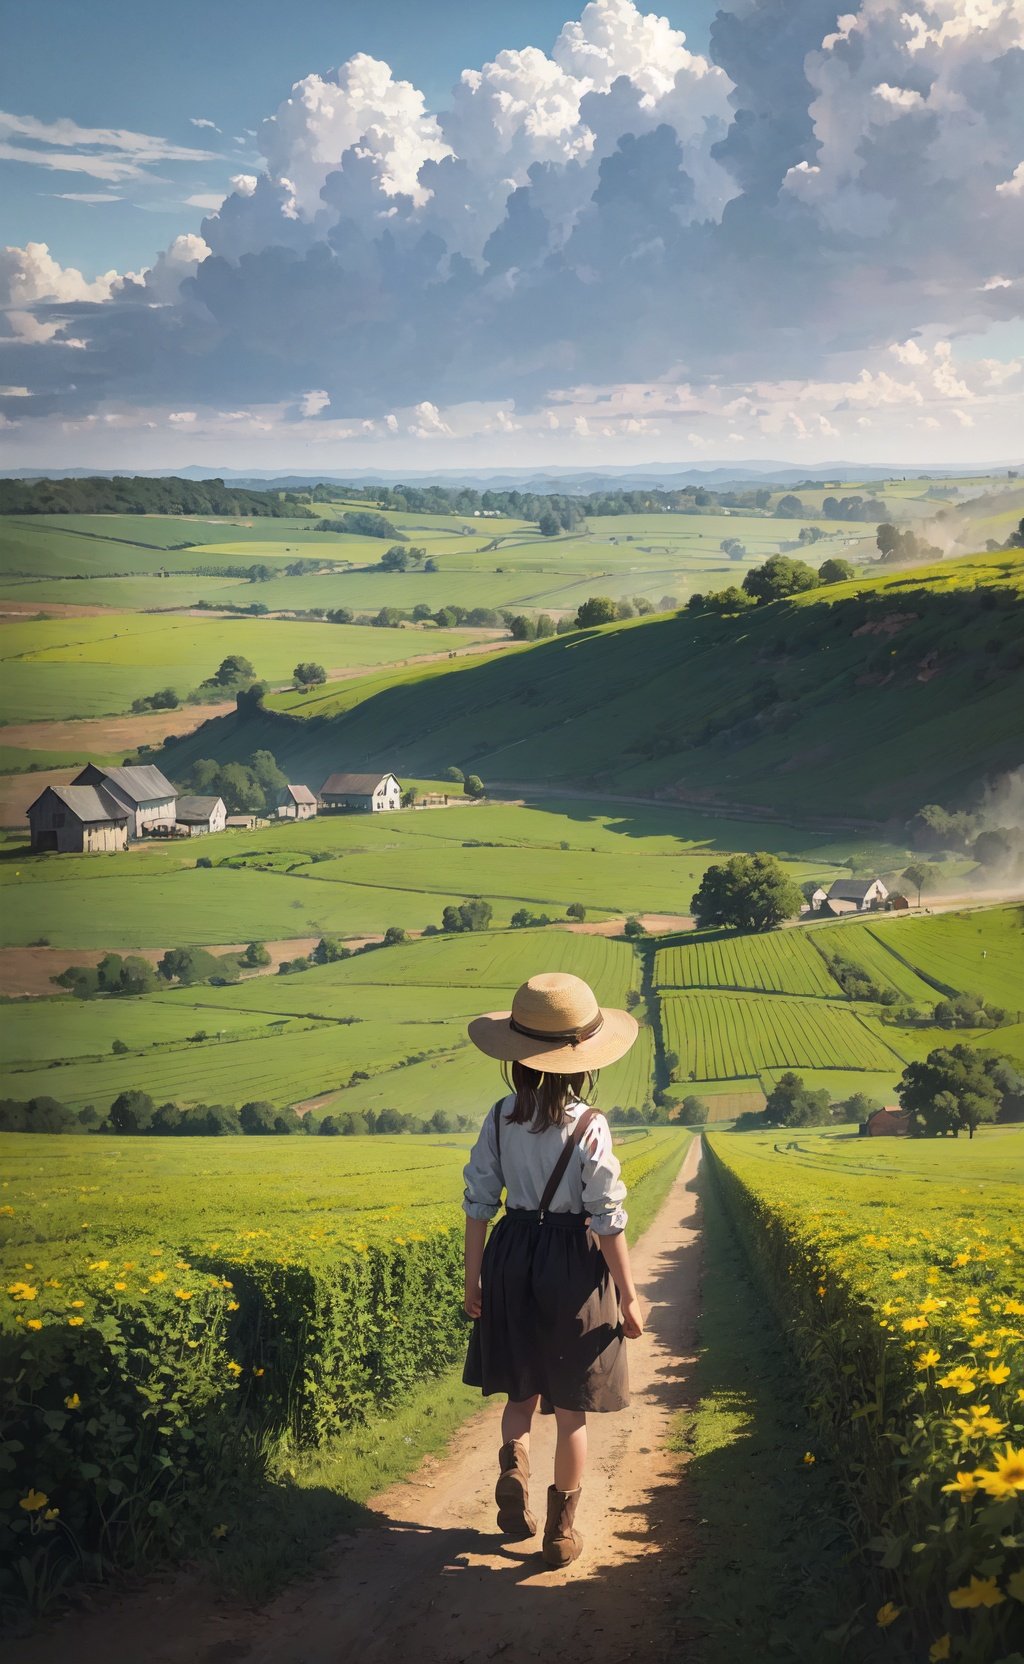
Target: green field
[[783, 962], [63, 667], [719, 1036], [978, 952]]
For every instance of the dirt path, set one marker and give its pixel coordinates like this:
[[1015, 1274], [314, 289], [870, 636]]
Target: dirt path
[[431, 1581]]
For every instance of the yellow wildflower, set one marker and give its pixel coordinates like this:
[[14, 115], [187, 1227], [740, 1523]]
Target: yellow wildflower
[[809, 1459], [961, 1379], [909, 1324], [234, 1369], [50, 1515], [962, 1259], [34, 1323], [998, 1373], [73, 1403], [219, 1531], [22, 1291], [76, 1305], [158, 1277], [928, 1359], [887, 1614], [1006, 1479], [232, 1305], [982, 1421], [33, 1501], [183, 1294], [75, 1322], [981, 1591], [964, 1486], [939, 1650], [53, 1282], [898, 1276], [1013, 1308], [99, 1265], [120, 1287]]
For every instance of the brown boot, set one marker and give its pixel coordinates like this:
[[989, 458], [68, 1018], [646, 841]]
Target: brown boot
[[511, 1493], [562, 1542]]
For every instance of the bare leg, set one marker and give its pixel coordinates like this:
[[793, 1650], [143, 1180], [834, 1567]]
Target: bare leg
[[570, 1449], [517, 1419]]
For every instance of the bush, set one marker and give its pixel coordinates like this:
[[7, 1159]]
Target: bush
[[469, 915]]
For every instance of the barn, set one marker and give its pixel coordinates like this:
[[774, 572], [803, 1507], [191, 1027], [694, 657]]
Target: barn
[[868, 893], [82, 818], [887, 1123], [147, 795], [199, 815], [295, 803], [371, 793]]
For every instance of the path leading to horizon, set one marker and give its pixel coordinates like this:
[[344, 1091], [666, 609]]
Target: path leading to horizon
[[430, 1579]]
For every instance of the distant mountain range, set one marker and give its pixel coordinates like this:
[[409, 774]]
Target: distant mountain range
[[568, 480]]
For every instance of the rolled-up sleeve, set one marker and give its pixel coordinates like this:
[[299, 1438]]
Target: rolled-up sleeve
[[482, 1174], [603, 1188]]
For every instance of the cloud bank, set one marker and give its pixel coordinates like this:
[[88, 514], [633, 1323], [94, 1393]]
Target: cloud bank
[[613, 238]]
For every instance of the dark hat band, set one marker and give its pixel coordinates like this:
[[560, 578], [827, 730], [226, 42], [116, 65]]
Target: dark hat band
[[565, 1037]]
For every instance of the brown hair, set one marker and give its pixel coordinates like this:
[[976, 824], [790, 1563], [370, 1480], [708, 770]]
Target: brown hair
[[544, 1099]]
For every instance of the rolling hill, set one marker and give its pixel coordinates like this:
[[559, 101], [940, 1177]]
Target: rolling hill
[[862, 700]]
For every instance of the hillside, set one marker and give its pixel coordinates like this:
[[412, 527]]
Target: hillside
[[862, 700]]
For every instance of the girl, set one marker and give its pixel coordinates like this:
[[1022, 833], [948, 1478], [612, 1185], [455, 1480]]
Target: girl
[[545, 1291]]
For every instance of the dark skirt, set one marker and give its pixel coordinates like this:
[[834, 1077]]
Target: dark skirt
[[549, 1316]]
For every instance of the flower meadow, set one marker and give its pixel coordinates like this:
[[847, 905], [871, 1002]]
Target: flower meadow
[[898, 1276], [174, 1317]]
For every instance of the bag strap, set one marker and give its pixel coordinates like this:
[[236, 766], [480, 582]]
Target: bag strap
[[496, 1112], [572, 1143]]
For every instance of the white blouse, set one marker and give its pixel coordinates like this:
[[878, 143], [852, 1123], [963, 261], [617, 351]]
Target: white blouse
[[591, 1183]]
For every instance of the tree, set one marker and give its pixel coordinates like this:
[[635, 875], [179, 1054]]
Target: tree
[[330, 1127], [394, 935], [232, 669], [118, 1048], [329, 951], [952, 1089], [598, 609], [747, 892], [521, 628], [789, 508], [917, 875], [473, 786], [835, 571], [780, 576], [309, 675], [548, 524], [694, 1111], [257, 1118], [255, 955], [188, 965], [792, 1104], [131, 1112], [633, 928], [858, 1106], [469, 915], [168, 1120], [454, 774], [577, 911], [409, 798]]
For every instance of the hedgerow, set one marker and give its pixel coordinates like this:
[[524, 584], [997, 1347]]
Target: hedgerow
[[904, 1307]]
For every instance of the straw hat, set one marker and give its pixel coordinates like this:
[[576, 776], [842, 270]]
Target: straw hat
[[557, 1026]]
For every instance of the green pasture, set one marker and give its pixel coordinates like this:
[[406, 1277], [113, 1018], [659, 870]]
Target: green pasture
[[870, 947], [975, 952], [721, 1035], [63, 667], [781, 962]]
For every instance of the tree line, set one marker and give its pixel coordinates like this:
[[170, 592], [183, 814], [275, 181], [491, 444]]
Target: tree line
[[137, 494], [955, 1089]]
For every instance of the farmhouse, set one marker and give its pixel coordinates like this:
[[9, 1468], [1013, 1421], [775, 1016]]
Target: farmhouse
[[198, 815], [81, 818], [867, 893], [370, 792], [147, 795], [887, 1123], [295, 803]]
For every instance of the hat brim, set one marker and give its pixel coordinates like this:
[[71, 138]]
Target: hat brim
[[494, 1036]]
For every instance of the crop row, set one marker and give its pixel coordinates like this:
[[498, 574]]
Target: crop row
[[156, 1348], [903, 1298], [784, 962], [860, 944], [722, 1036]]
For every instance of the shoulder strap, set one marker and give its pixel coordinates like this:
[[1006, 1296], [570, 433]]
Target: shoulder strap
[[496, 1112], [572, 1143]]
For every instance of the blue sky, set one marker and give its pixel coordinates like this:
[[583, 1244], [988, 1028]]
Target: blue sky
[[403, 235]]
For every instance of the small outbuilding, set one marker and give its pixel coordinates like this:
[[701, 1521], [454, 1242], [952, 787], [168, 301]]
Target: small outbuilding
[[199, 815], [814, 895], [371, 793], [868, 893], [85, 819], [244, 823], [887, 1123], [295, 803], [897, 903]]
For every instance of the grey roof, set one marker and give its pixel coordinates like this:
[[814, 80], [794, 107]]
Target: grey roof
[[851, 889], [364, 785], [298, 794], [196, 808], [141, 784], [87, 803]]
